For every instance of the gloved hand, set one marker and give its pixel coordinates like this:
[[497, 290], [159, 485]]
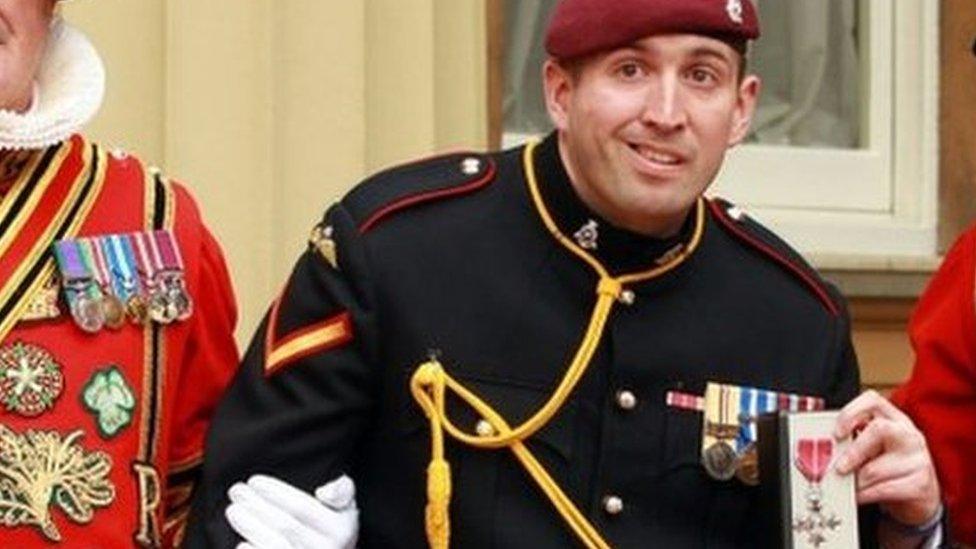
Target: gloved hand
[[271, 514]]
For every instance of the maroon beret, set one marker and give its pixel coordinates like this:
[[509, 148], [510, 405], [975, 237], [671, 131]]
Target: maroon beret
[[582, 27]]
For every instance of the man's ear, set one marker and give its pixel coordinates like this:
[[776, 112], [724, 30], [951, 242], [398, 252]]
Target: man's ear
[[558, 88], [745, 107]]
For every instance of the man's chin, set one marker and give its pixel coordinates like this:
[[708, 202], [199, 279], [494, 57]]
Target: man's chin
[[660, 217], [664, 197]]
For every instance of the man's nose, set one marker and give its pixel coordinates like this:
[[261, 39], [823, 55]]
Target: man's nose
[[664, 109]]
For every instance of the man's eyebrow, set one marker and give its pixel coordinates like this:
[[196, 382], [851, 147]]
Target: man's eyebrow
[[700, 51], [713, 53], [632, 48]]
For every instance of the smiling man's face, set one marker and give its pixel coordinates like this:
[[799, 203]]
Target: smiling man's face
[[643, 129], [24, 27]]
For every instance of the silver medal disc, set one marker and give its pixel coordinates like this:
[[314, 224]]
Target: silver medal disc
[[158, 308], [88, 314], [719, 461], [180, 299]]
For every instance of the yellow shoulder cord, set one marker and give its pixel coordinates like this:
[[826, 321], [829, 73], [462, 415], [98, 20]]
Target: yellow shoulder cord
[[430, 383]]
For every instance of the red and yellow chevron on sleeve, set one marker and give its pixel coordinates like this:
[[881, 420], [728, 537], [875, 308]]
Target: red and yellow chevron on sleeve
[[280, 352]]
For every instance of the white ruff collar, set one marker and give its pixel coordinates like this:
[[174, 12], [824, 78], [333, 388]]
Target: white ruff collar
[[68, 92]]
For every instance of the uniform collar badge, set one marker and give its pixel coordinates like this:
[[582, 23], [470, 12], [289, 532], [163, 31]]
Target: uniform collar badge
[[587, 235], [734, 9]]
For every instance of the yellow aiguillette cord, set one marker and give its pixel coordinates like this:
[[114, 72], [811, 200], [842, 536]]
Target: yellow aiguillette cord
[[430, 383]]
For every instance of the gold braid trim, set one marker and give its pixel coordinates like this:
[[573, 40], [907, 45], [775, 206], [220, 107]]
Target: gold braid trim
[[430, 383]]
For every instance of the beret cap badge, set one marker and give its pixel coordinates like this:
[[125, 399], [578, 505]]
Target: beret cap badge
[[734, 9]]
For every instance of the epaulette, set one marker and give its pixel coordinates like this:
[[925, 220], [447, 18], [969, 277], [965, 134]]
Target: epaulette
[[396, 189], [753, 234]]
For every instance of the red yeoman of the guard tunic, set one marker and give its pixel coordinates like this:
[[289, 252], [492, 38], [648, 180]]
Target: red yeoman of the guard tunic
[[940, 395], [64, 480]]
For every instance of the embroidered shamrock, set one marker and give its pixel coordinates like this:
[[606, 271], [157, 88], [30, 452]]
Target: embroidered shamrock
[[109, 397]]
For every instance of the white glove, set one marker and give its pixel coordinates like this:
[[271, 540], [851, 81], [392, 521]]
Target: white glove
[[271, 514]]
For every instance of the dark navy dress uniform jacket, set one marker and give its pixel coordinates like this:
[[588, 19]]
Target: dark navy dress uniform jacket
[[450, 254]]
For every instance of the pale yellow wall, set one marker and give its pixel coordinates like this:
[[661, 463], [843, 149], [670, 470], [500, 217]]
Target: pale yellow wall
[[426, 78], [460, 75], [399, 80], [129, 34], [272, 109], [218, 127]]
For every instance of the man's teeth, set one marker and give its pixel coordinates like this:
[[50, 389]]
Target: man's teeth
[[659, 157]]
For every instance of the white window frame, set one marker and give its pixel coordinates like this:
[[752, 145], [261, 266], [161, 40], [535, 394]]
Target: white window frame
[[881, 199]]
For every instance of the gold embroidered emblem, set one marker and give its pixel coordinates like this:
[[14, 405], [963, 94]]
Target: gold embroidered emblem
[[149, 500], [43, 305], [321, 239], [40, 469]]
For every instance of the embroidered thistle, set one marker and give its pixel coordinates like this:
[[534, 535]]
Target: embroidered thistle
[[40, 469], [109, 397]]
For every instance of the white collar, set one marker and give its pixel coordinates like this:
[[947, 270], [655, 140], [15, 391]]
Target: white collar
[[68, 92]]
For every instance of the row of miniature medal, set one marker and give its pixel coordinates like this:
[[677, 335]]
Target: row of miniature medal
[[730, 431], [110, 278]]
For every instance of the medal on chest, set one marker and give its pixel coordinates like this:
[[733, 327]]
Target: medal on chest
[[109, 279], [729, 430], [161, 263]]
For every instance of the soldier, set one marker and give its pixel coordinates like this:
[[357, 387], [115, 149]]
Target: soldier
[[117, 312], [511, 349], [941, 393]]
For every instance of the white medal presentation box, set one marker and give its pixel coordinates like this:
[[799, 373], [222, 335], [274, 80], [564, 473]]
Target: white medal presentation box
[[806, 503]]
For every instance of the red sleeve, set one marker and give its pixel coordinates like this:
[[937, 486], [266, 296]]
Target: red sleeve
[[210, 356], [940, 395], [205, 366]]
